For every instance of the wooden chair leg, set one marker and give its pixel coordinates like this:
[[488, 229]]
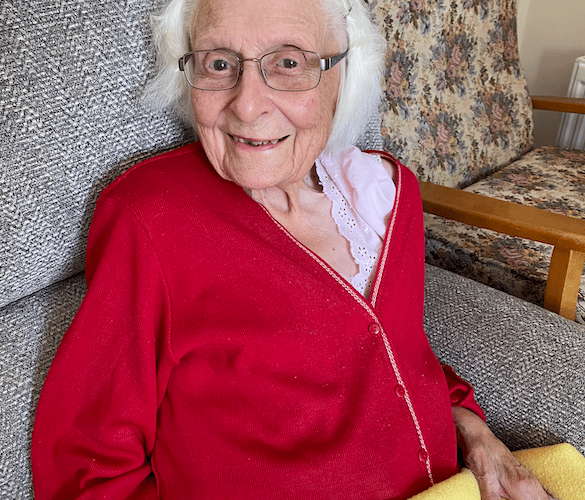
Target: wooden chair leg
[[564, 279]]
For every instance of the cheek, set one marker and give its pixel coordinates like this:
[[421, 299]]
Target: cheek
[[205, 108], [324, 104], [206, 114], [314, 111], [198, 109]]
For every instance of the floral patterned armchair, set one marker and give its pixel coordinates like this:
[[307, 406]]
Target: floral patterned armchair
[[458, 113]]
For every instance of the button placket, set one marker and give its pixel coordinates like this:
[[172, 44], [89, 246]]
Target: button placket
[[400, 390]]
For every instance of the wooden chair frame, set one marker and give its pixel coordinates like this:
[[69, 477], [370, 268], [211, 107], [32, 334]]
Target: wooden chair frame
[[566, 234]]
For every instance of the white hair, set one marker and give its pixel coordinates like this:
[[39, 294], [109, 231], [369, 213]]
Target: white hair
[[348, 21]]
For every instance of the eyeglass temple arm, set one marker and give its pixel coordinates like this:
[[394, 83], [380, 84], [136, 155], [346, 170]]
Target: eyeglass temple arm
[[183, 61], [332, 61]]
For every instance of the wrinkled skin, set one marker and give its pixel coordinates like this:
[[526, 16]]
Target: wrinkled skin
[[497, 471]]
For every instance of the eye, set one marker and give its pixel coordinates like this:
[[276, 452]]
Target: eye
[[288, 63], [219, 65], [214, 62]]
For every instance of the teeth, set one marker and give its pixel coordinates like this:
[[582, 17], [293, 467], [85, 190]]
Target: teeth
[[255, 143]]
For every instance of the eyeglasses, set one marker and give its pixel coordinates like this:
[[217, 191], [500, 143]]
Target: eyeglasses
[[287, 69]]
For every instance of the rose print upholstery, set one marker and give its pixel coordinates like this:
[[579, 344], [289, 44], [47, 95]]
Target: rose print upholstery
[[457, 111]]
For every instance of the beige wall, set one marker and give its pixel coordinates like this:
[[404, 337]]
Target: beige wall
[[551, 35]]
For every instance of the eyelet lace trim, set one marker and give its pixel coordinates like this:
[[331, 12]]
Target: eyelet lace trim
[[360, 215]]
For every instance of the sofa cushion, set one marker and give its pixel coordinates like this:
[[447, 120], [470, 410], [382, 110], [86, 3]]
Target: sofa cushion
[[547, 178], [71, 78], [446, 115], [525, 363], [30, 331]]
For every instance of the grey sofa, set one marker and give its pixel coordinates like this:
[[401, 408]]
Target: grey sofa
[[71, 74]]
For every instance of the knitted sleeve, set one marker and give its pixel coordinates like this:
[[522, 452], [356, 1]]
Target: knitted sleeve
[[96, 419], [461, 392]]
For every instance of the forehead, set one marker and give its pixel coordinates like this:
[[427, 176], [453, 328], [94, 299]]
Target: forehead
[[259, 24]]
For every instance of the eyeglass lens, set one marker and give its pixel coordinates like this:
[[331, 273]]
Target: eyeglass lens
[[289, 69]]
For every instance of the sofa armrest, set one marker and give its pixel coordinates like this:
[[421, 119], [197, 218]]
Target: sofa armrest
[[525, 363], [563, 104], [566, 234]]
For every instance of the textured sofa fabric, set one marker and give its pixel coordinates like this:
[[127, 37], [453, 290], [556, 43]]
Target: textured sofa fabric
[[71, 74], [30, 331], [525, 363]]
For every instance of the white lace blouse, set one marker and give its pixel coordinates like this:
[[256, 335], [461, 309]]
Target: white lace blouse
[[362, 194]]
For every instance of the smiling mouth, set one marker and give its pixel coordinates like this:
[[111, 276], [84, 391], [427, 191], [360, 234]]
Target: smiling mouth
[[251, 142]]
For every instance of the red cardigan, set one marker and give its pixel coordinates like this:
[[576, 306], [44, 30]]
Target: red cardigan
[[215, 357]]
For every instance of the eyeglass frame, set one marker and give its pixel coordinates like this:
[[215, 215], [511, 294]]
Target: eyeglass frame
[[324, 64]]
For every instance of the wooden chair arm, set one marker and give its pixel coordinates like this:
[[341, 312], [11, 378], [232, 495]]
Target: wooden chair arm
[[566, 234], [504, 216], [564, 104]]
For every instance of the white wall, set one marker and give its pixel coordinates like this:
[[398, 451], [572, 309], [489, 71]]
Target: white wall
[[551, 35]]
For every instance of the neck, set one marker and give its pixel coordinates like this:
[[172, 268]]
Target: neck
[[305, 212], [290, 199]]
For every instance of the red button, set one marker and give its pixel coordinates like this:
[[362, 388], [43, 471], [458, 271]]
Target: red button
[[423, 455], [375, 328], [399, 390]]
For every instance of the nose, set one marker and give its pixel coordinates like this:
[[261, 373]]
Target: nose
[[251, 95]]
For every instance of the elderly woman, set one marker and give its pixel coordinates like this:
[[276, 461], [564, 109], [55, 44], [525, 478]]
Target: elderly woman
[[253, 322]]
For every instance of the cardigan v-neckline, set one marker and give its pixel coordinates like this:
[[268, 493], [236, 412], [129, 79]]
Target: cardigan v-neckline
[[369, 303]]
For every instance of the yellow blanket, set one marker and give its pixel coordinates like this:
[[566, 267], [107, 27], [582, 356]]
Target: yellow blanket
[[559, 468]]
